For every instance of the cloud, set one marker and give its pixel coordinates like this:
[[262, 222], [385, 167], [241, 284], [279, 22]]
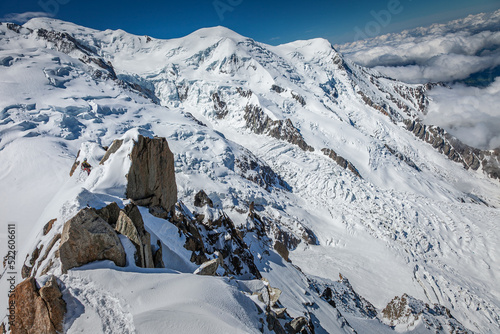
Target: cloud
[[469, 113], [433, 53], [23, 17]]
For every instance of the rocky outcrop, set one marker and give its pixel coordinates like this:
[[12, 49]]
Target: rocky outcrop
[[260, 123], [220, 106], [201, 199], [208, 268], [282, 250], [402, 157], [112, 149], [252, 169], [300, 99], [455, 150], [48, 226], [372, 104], [277, 89], [86, 238], [151, 178], [214, 235], [131, 225], [405, 311], [37, 310], [342, 162]]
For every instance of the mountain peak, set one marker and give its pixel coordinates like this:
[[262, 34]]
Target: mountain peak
[[217, 31]]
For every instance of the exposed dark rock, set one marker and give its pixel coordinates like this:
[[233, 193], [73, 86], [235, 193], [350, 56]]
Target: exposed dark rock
[[27, 268], [158, 256], [273, 323], [372, 104], [402, 157], [110, 213], [217, 236], [298, 325], [260, 123], [201, 199], [151, 178], [49, 247], [75, 164], [328, 296], [131, 225], [115, 146], [244, 93], [277, 89], [282, 250], [220, 106], [405, 310], [48, 226], [37, 311], [257, 171], [182, 92], [86, 238], [208, 268], [349, 298], [342, 162], [455, 150], [299, 99]]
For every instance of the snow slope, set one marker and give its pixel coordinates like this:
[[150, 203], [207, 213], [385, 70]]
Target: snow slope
[[429, 231]]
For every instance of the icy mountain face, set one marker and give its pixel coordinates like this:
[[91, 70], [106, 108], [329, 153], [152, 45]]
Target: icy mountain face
[[315, 158]]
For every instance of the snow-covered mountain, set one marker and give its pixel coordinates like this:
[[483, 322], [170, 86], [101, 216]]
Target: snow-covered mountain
[[313, 166]]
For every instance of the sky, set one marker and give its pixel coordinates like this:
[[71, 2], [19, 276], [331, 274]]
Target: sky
[[271, 22]]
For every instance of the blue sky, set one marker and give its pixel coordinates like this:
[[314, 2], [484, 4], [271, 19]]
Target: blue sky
[[272, 22]]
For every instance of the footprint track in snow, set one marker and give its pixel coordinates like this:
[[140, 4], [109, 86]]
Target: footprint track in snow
[[114, 318]]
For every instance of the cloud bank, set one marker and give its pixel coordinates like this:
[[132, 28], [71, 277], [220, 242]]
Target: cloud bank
[[433, 53], [23, 17], [445, 53], [469, 113]]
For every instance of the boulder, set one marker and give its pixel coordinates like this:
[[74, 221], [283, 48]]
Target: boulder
[[115, 146], [48, 226], [297, 325], [281, 249], [151, 178], [201, 199], [131, 225], [158, 256], [86, 238], [37, 311], [110, 213], [208, 268]]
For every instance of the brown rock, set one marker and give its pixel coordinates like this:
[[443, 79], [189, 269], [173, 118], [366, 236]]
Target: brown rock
[[152, 175], [115, 146], [75, 165], [282, 250], [208, 268], [201, 199], [37, 311], [110, 213], [52, 296], [158, 256], [48, 226], [87, 238], [131, 225]]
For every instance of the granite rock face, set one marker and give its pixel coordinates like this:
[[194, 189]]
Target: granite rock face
[[454, 149], [38, 310], [342, 162], [86, 238], [260, 123], [151, 178]]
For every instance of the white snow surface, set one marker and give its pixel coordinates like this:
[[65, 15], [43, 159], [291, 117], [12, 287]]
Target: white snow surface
[[396, 230]]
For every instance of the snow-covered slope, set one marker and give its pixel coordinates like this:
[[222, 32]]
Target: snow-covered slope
[[320, 146]]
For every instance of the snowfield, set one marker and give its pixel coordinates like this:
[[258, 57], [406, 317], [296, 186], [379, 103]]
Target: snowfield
[[428, 229]]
